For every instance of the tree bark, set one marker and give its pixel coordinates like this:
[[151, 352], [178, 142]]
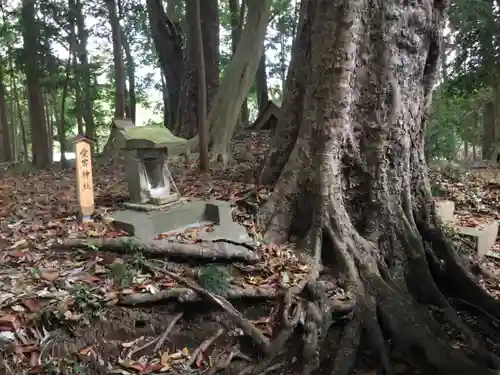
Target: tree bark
[[39, 139], [354, 189], [186, 126], [238, 78], [202, 90]]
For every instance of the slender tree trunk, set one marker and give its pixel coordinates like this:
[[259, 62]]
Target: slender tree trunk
[[238, 78], [78, 104], [166, 110], [86, 81], [261, 84], [130, 69], [13, 123], [117, 60], [210, 36], [18, 110], [6, 136], [49, 125], [488, 145], [202, 91], [237, 13], [354, 190], [61, 131]]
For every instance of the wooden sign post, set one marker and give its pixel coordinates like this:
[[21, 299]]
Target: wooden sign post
[[84, 183]]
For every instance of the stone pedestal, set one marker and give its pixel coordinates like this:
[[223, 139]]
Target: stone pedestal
[[178, 217]]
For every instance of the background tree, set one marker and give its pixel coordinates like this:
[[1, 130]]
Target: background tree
[[202, 90], [40, 139]]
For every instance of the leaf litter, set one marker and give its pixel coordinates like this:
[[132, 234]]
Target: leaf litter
[[44, 292], [476, 194]]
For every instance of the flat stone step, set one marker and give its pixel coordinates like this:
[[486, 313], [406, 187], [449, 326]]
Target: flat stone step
[[484, 236]]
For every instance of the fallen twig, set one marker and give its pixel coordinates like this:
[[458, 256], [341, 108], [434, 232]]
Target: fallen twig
[[142, 347], [203, 347], [188, 295], [246, 326], [165, 334], [222, 363], [209, 251]]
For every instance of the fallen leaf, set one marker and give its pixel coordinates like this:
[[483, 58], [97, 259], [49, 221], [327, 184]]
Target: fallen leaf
[[8, 318], [19, 243], [49, 275], [164, 359], [72, 316], [90, 279], [86, 351]]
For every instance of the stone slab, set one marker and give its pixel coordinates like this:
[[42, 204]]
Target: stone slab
[[484, 236], [445, 210], [145, 225]]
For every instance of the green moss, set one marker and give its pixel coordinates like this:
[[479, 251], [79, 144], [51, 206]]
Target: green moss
[[152, 133]]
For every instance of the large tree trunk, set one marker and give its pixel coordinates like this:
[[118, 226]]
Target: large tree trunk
[[168, 44], [238, 78], [39, 137], [186, 126], [355, 192]]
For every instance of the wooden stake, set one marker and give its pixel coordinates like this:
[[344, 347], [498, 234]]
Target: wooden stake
[[84, 183]]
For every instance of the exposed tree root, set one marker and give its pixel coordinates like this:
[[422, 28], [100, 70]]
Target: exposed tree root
[[402, 307], [246, 326], [184, 295], [347, 353], [208, 251]]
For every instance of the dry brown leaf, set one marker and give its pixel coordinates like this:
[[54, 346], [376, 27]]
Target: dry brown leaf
[[49, 275], [86, 351]]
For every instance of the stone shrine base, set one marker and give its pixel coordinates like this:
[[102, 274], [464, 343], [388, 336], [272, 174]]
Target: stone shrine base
[[145, 222]]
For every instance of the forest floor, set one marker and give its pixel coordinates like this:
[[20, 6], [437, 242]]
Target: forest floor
[[71, 311]]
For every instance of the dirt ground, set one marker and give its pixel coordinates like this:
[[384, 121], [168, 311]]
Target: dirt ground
[[69, 311]]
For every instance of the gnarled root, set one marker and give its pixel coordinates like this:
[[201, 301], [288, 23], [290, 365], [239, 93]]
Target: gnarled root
[[390, 307]]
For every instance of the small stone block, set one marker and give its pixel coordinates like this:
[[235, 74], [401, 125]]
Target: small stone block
[[164, 200], [445, 210], [485, 236]]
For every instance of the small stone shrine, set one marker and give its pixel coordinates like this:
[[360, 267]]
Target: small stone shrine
[[155, 206]]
